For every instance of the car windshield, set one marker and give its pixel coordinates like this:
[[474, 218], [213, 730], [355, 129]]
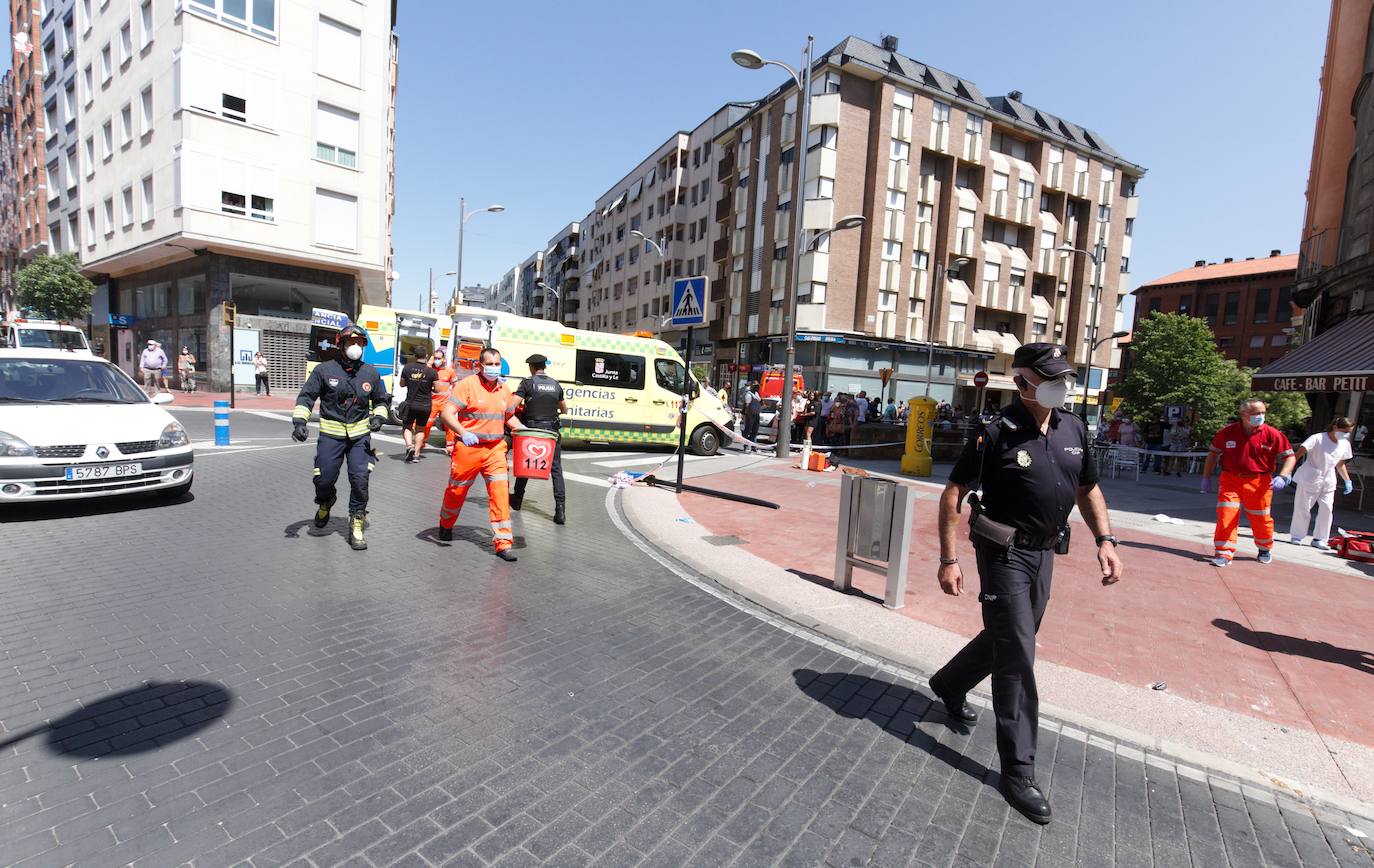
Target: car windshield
[[51, 339], [769, 405], [47, 381]]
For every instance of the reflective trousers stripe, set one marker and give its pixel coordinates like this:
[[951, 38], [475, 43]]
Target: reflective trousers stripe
[[351, 430]]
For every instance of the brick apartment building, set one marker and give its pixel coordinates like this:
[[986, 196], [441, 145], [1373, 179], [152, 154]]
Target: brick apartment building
[[967, 201], [9, 197], [1246, 302], [30, 69]]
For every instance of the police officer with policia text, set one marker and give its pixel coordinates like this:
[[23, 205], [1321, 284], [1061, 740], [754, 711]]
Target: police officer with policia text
[[353, 404], [1034, 464], [541, 402]]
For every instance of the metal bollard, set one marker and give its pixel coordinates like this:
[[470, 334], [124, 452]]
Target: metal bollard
[[221, 423]]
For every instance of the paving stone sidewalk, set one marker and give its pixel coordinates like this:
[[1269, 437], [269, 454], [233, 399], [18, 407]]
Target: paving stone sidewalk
[[211, 682]]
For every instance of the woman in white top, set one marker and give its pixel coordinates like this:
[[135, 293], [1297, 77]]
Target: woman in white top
[[1326, 455]]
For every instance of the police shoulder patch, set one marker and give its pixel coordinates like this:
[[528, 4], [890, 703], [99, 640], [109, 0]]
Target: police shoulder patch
[[367, 387], [333, 382], [1023, 458]]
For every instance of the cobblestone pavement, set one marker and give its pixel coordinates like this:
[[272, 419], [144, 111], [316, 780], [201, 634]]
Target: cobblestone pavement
[[212, 681]]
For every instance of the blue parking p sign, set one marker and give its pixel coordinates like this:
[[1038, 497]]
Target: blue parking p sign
[[689, 301]]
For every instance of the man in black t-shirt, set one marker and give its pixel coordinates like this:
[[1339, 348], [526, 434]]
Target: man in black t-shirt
[[418, 377], [541, 404]]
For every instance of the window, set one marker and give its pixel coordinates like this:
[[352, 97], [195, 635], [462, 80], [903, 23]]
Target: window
[[1262, 305], [89, 154], [88, 85], [1130, 226], [126, 207], [1210, 307], [109, 215], [90, 227], [50, 121], [146, 202], [233, 203], [1279, 341], [258, 17], [126, 43], [1226, 342], [1125, 265], [107, 140], [822, 137], [106, 64], [1154, 304], [1039, 326], [1257, 341], [69, 102], [126, 125], [234, 108], [86, 17], [339, 52], [1104, 213], [1232, 313], [670, 374], [1025, 189], [145, 112], [261, 208], [594, 367], [336, 219], [900, 150], [1046, 202], [336, 135], [145, 24], [892, 251], [1253, 362], [73, 231], [896, 200]]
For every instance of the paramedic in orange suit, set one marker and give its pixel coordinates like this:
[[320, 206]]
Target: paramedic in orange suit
[[478, 411], [1248, 451], [442, 386]]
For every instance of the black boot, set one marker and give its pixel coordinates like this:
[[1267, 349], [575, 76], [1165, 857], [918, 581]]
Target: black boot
[[446, 534], [1023, 795], [560, 515], [516, 499], [322, 513]]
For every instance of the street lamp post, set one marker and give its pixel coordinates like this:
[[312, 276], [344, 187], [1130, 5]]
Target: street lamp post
[[463, 217], [752, 60], [1098, 257], [931, 308]]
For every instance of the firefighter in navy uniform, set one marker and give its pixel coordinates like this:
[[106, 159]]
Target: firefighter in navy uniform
[[353, 404], [541, 402], [1033, 463]]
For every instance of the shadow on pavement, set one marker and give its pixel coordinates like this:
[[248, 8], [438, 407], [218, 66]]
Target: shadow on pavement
[[463, 533], [134, 721], [1278, 643], [1177, 551], [829, 583], [892, 708], [337, 526], [115, 503]]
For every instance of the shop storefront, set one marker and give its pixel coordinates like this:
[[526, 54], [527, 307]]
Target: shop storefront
[[182, 305], [1336, 371]]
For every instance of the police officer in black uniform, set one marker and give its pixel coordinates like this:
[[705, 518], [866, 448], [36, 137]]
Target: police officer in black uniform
[[541, 402], [1034, 463], [353, 404]]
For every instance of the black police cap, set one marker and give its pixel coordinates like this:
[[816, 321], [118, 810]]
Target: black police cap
[[1050, 361], [538, 361]]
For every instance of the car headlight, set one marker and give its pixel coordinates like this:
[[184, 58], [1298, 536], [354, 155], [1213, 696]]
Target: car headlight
[[173, 436], [13, 447]]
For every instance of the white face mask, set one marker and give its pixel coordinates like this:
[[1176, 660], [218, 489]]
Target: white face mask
[[491, 372], [1342, 435], [353, 352], [1052, 394], [1257, 420]]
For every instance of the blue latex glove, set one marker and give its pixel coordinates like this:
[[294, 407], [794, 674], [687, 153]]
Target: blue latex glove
[[1206, 485], [1279, 483], [1349, 487], [469, 438]]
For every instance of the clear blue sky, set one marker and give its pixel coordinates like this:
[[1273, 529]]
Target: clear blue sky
[[541, 106]]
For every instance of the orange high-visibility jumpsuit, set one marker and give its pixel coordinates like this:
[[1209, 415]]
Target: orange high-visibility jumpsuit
[[482, 411], [1248, 462], [442, 387]]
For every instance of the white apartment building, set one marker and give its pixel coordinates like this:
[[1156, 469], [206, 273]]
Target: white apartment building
[[226, 151], [626, 284]]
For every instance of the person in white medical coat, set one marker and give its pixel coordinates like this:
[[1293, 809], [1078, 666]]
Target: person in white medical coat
[[1317, 481]]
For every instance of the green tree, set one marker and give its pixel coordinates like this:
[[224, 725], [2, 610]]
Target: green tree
[[1177, 362], [53, 287]]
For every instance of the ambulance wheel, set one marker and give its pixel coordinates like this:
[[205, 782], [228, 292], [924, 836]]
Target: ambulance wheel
[[705, 440]]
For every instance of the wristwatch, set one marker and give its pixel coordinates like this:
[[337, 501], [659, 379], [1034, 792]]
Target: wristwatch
[[948, 561], [1107, 537]]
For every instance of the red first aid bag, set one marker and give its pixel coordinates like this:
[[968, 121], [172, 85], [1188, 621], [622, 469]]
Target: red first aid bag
[[533, 450]]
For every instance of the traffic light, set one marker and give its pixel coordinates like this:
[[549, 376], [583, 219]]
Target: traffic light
[[230, 313]]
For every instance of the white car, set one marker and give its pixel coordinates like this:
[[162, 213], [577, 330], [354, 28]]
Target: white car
[[75, 426], [39, 334]]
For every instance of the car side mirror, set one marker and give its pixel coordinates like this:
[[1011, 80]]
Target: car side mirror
[[163, 398]]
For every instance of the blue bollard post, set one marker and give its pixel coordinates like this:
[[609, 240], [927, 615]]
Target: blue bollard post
[[221, 423]]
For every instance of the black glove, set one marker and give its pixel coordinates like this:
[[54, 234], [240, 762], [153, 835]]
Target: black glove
[[374, 423], [298, 431]]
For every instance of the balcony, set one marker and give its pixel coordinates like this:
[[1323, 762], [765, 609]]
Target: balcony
[[723, 208], [1054, 177], [725, 169], [678, 213], [720, 250]]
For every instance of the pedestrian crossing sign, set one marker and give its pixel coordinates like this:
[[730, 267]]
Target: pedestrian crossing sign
[[689, 302]]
